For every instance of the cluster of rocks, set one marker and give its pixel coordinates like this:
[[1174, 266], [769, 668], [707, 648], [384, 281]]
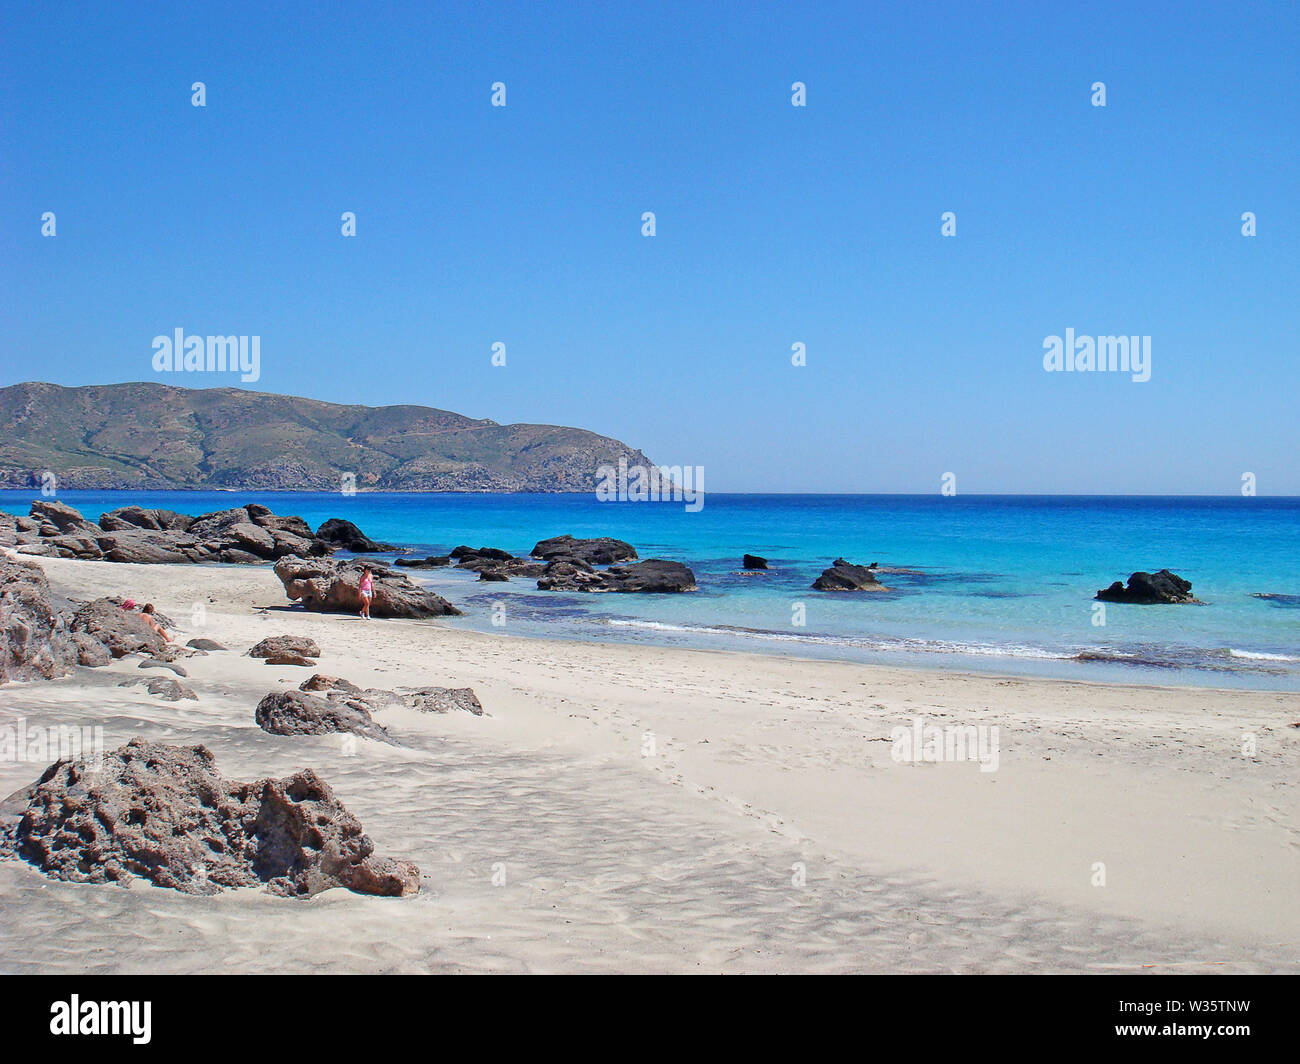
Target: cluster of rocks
[[166, 814], [249, 534], [1149, 589], [845, 576], [654, 575], [44, 637], [331, 585]]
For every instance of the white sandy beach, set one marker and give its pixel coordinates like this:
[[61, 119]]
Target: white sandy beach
[[687, 860]]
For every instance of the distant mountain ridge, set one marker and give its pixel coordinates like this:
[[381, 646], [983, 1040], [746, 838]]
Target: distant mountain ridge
[[158, 436]]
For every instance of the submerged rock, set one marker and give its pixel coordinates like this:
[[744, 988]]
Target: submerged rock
[[845, 576], [1149, 589], [166, 814]]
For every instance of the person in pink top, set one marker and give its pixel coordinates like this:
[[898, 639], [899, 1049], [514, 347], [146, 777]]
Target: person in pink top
[[367, 593]]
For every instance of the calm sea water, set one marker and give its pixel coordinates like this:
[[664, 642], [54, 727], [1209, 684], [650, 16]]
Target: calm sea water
[[1005, 583]]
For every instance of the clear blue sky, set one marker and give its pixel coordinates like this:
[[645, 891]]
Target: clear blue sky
[[775, 224]]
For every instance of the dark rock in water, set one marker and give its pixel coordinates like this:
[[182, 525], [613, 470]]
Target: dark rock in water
[[298, 713], [166, 814], [435, 561], [494, 575], [344, 534], [121, 631], [35, 642], [204, 644], [753, 561], [1149, 589], [845, 576], [651, 575], [331, 585], [571, 574], [600, 551], [496, 554], [285, 644], [154, 663], [321, 682], [163, 687], [509, 567], [654, 575]]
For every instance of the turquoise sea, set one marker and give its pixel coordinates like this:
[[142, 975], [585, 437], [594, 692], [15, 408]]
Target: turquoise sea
[[1004, 584]]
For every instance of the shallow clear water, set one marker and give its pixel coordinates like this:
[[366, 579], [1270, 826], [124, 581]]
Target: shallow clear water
[[1005, 583]]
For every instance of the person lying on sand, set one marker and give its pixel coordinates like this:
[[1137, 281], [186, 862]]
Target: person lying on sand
[[147, 614], [367, 593]]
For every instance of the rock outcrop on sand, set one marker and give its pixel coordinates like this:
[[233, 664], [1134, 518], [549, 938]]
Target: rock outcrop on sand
[[122, 631], [327, 585], [300, 713], [654, 575], [753, 561], [275, 645], [35, 642], [845, 576], [373, 699], [163, 687], [166, 814], [1149, 589], [346, 536], [243, 535], [600, 551]]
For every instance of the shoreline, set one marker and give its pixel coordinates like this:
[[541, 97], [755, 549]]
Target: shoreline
[[760, 763]]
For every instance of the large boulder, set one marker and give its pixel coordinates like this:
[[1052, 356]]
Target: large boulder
[[61, 519], [345, 535], [845, 576], [150, 547], [299, 713], [654, 575], [600, 551], [128, 517], [35, 642], [165, 813], [122, 631], [1149, 589], [332, 585]]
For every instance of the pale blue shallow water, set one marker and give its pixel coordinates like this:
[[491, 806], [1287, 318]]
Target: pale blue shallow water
[[1006, 582]]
